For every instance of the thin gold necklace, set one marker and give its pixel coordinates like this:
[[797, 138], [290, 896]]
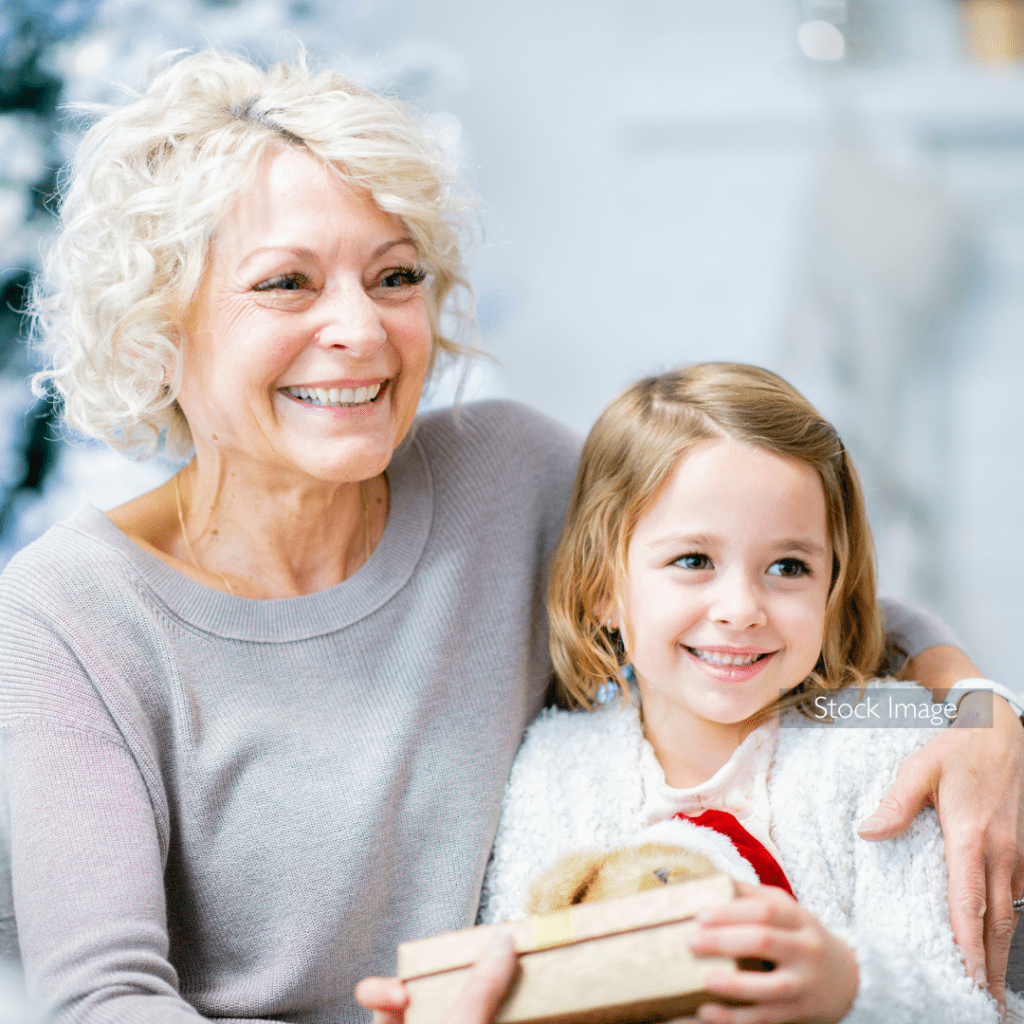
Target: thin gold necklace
[[188, 543], [366, 519], [364, 506]]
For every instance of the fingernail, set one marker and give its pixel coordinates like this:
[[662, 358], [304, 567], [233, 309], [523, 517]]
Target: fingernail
[[871, 824], [1002, 1011], [980, 978]]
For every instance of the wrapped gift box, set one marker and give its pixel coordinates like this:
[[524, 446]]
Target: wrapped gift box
[[612, 961]]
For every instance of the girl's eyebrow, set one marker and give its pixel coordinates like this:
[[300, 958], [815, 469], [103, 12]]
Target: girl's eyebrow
[[805, 547], [678, 540]]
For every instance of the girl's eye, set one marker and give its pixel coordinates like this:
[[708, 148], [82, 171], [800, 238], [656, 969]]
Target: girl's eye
[[403, 277], [696, 561], [284, 283], [790, 568]]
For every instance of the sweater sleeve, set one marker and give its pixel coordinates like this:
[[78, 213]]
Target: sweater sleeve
[[912, 629], [87, 855]]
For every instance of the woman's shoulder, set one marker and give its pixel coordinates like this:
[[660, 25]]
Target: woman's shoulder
[[72, 559], [78, 587], [499, 433]]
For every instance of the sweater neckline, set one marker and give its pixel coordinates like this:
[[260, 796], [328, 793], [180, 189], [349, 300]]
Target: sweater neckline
[[295, 618]]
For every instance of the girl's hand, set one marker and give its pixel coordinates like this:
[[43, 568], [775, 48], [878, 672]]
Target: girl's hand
[[815, 976], [477, 1003]]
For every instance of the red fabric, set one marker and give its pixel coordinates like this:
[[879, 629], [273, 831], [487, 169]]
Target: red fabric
[[764, 864]]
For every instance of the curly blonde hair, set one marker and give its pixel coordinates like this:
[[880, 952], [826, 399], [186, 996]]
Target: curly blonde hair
[[145, 193], [627, 458]]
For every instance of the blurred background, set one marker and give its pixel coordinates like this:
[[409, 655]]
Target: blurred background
[[833, 189]]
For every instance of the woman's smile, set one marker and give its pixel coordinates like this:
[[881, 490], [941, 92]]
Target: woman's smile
[[336, 394]]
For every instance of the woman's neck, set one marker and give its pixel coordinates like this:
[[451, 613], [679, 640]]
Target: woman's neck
[[258, 538], [689, 749]]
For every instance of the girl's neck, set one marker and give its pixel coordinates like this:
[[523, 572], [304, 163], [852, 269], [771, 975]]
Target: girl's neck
[[689, 749]]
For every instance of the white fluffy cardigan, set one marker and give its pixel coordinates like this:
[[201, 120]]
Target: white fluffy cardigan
[[577, 784]]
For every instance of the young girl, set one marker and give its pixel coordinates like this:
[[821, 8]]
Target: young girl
[[717, 569]]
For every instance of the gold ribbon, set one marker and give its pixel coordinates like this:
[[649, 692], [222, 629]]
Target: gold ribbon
[[553, 929]]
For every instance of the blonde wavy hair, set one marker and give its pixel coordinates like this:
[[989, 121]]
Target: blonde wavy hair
[[145, 193], [628, 457]]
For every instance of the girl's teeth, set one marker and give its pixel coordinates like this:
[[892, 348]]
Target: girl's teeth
[[717, 658], [335, 396]]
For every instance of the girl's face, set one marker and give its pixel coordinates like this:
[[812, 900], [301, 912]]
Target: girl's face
[[727, 577]]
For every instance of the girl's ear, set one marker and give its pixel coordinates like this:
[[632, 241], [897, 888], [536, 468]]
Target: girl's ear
[[607, 613]]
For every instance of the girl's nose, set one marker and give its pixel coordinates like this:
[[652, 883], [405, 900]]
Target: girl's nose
[[738, 602], [350, 319]]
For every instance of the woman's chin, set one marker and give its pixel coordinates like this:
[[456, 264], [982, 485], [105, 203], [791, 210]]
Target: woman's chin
[[332, 443]]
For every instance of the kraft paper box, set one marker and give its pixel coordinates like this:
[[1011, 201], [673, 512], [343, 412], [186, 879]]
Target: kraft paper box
[[608, 962]]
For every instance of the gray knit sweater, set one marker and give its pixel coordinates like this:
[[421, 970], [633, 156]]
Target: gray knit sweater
[[239, 807], [236, 808]]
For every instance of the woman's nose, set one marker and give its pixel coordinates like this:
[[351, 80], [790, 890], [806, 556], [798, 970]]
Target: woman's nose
[[738, 602], [350, 319]]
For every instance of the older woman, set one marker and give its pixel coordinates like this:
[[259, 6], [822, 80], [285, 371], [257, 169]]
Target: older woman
[[257, 722]]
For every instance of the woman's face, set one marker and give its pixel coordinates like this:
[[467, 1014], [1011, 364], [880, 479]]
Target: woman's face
[[308, 343]]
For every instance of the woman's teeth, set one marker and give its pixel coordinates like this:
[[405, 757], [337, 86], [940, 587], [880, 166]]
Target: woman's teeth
[[718, 658], [335, 397]]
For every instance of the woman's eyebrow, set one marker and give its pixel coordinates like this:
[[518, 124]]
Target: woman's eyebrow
[[302, 253], [383, 248]]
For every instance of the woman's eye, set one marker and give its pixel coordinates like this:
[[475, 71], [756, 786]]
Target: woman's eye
[[403, 277], [789, 568], [284, 283], [696, 562]]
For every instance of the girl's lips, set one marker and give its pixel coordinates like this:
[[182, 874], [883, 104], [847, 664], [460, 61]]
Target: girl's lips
[[732, 673]]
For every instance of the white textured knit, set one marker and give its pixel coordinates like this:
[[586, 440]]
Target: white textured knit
[[578, 782]]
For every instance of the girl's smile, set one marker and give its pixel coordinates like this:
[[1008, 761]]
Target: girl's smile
[[730, 663], [726, 583]]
